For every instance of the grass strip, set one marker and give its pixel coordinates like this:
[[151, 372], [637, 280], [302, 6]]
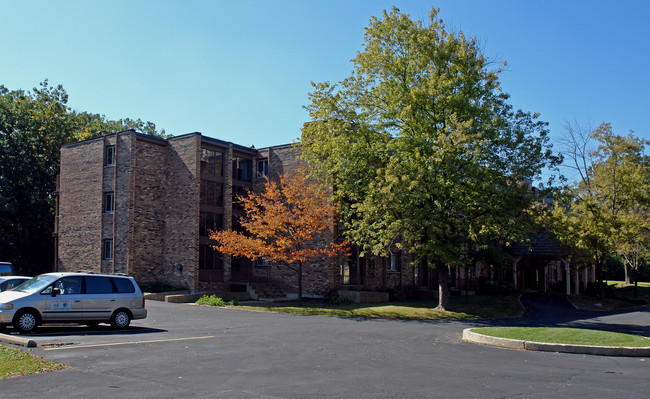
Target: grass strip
[[572, 336], [473, 307], [15, 362]]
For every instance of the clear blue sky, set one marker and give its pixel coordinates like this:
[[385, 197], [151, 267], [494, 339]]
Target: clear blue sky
[[240, 70]]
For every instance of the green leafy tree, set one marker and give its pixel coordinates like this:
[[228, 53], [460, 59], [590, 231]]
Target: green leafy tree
[[421, 147], [606, 210], [33, 127]]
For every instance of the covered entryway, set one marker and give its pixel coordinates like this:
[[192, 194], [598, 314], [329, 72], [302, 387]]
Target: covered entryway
[[543, 265]]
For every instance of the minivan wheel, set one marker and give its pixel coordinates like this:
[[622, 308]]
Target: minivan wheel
[[25, 321], [120, 319]]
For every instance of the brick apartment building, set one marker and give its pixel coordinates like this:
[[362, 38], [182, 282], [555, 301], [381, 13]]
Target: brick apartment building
[[144, 206]]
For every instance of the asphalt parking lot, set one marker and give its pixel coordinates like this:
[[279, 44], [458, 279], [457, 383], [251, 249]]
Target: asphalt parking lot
[[201, 352]]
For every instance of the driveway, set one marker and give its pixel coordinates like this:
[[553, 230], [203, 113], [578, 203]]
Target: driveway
[[200, 352], [555, 310]]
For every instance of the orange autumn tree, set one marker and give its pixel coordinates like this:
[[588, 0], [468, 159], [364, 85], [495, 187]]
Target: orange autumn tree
[[282, 224]]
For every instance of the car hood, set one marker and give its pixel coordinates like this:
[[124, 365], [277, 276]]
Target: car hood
[[8, 296]]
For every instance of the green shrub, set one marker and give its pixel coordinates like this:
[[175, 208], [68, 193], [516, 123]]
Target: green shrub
[[342, 300], [211, 300]]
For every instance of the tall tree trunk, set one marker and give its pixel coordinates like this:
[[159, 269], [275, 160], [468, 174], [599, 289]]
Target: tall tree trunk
[[628, 273], [358, 270], [599, 276], [299, 283], [443, 287]]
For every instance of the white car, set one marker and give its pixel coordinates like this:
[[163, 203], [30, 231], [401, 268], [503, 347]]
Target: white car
[[6, 269], [9, 282], [72, 297]]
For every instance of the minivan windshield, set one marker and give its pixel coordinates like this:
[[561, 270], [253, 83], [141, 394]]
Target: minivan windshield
[[36, 284]]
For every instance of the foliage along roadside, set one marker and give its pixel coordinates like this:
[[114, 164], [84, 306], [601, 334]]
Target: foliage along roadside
[[213, 300], [15, 362], [605, 211], [474, 307]]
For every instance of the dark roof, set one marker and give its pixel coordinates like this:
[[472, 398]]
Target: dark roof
[[540, 245]]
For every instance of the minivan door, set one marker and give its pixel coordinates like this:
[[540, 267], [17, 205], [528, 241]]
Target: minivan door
[[99, 300], [66, 305]]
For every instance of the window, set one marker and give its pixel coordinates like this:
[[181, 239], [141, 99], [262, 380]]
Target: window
[[210, 265], [123, 285], [242, 169], [262, 168], [393, 263], [10, 284], [371, 268], [211, 162], [109, 202], [211, 193], [70, 285], [98, 285], [345, 271], [209, 222], [109, 156], [262, 262], [209, 258], [238, 191], [107, 249]]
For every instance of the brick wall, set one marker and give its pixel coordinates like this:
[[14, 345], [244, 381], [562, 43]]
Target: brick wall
[[181, 209], [120, 178], [80, 206], [146, 229]]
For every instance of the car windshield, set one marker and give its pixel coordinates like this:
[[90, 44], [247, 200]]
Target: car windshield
[[36, 284]]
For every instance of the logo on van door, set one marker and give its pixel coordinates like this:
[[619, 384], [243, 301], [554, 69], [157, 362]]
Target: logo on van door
[[59, 305]]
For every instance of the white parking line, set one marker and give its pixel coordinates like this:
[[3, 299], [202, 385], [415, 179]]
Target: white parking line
[[127, 343]]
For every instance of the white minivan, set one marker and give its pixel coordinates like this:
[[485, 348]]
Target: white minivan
[[72, 297]]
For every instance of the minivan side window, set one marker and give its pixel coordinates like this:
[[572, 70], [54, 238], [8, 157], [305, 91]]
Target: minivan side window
[[98, 285], [70, 285], [123, 285], [12, 284]]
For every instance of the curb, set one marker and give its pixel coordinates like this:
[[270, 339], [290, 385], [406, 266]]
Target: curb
[[473, 337], [10, 339]]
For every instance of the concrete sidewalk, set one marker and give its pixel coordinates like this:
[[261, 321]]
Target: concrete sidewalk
[[17, 340]]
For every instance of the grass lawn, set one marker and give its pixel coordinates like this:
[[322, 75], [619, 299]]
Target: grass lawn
[[15, 362], [626, 291], [618, 296], [575, 336], [472, 307]]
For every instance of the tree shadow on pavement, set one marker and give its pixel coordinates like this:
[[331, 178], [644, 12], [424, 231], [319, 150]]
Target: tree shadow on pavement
[[552, 310], [80, 329]]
